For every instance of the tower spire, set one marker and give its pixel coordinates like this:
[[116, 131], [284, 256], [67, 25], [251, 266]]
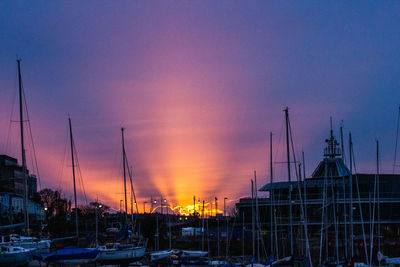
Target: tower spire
[[332, 150]]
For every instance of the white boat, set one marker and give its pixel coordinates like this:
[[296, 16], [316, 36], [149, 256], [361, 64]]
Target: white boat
[[15, 256], [193, 253], [218, 263], [160, 255], [41, 245], [115, 252]]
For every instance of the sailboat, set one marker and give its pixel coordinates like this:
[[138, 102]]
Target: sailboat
[[160, 255], [15, 256], [28, 242], [15, 242], [193, 253], [72, 255], [116, 252]]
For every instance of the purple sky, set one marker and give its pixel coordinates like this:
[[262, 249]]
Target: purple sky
[[197, 85]]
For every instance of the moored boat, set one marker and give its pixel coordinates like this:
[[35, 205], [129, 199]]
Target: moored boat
[[72, 256], [42, 245], [116, 253], [193, 253], [160, 255], [15, 256]]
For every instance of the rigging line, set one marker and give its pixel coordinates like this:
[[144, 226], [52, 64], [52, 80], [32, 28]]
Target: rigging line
[[359, 204], [80, 179], [31, 137], [279, 145], [342, 142], [79, 170], [371, 239], [276, 231], [300, 196], [61, 170], [397, 137], [293, 152], [29, 144], [372, 223], [130, 177], [322, 220], [77, 176], [11, 116], [333, 199], [230, 236]]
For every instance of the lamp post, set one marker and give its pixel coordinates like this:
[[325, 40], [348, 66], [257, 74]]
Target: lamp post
[[165, 204], [45, 216], [144, 207], [97, 227], [154, 202]]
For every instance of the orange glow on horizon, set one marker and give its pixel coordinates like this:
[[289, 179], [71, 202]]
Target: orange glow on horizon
[[190, 210]]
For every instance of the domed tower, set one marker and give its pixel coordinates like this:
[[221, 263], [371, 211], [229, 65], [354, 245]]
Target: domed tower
[[332, 165]]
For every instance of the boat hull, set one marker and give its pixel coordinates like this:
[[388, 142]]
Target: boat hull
[[16, 259], [193, 254], [121, 255], [160, 255]]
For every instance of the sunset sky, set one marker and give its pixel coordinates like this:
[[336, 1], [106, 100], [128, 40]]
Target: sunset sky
[[198, 86]]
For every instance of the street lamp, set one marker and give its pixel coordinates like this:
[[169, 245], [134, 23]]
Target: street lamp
[[98, 206], [144, 207]]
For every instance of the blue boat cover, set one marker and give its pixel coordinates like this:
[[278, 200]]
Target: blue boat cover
[[71, 253]]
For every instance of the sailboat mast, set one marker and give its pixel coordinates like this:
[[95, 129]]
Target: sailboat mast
[[257, 222], [252, 221], [379, 203], [202, 230], [290, 185], [24, 177], [124, 161], [305, 187], [351, 195], [130, 177], [73, 175], [397, 138], [243, 227], [344, 195], [216, 217], [271, 192]]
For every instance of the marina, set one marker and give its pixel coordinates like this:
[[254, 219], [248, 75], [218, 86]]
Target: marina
[[200, 133]]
